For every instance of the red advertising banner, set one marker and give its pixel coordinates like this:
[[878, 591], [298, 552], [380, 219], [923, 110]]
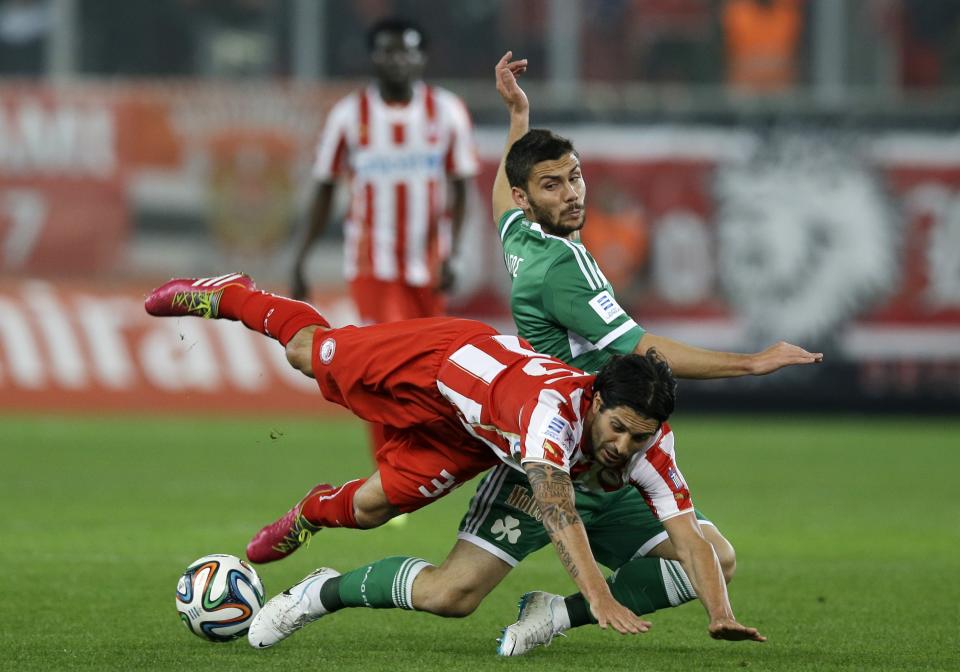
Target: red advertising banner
[[68, 348]]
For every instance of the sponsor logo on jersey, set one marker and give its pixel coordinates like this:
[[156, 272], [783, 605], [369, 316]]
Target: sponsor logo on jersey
[[606, 307], [327, 350], [522, 500], [558, 430]]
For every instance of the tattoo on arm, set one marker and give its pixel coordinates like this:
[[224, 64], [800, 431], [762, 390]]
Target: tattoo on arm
[[553, 492], [567, 560]]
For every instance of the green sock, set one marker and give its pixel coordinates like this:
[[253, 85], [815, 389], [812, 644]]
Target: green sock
[[384, 584], [643, 585]]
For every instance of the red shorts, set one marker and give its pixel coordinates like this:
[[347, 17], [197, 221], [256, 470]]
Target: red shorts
[[387, 373], [380, 301]]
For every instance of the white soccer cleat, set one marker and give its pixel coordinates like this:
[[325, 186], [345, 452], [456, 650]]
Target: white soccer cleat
[[290, 610], [535, 625]]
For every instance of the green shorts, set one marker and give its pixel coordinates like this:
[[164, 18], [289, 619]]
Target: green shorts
[[503, 519]]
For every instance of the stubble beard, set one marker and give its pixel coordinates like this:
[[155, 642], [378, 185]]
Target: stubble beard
[[555, 227]]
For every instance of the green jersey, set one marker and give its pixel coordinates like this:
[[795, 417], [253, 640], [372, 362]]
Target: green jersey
[[561, 302]]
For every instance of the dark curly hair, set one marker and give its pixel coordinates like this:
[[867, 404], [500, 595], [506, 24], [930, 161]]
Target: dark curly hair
[[536, 145], [643, 383]]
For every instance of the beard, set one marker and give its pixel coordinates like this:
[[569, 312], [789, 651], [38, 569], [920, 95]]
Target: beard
[[555, 227]]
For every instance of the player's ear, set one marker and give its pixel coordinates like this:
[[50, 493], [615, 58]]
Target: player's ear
[[519, 198], [597, 402]]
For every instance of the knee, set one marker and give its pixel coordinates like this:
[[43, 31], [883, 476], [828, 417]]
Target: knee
[[299, 350], [728, 559]]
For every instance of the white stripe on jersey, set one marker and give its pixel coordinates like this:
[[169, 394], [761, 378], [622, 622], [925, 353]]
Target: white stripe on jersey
[[477, 363], [579, 345], [583, 269], [468, 407], [510, 220], [384, 229], [418, 232], [512, 343]]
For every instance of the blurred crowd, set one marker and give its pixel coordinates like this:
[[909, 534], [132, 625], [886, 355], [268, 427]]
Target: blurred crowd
[[752, 45]]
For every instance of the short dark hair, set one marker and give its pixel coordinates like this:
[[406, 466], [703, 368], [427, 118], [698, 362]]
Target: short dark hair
[[395, 25], [537, 144], [643, 383]]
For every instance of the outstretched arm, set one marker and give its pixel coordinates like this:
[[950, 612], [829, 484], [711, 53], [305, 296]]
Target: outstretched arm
[[700, 562], [691, 362], [515, 99], [553, 492]]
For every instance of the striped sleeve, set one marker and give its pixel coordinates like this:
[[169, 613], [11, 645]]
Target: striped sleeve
[[550, 431], [656, 476], [577, 296], [334, 145]]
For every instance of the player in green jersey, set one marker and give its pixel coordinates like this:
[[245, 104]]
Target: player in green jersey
[[564, 306], [562, 303]]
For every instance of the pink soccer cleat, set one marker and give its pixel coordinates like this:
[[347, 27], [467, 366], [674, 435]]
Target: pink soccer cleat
[[281, 538], [193, 296]]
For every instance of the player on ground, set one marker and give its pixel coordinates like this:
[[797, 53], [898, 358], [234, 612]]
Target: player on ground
[[454, 397]]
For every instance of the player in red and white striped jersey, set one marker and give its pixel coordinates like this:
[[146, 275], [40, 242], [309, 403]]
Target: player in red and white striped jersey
[[407, 150], [454, 397]]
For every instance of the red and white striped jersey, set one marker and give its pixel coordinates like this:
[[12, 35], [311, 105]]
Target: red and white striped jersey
[[526, 406], [398, 158]]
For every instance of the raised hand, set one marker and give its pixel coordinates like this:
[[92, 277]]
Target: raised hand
[[507, 72]]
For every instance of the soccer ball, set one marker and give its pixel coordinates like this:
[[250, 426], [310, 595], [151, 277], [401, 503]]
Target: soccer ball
[[218, 596]]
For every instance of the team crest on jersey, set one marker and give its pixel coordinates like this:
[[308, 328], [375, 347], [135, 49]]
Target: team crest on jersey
[[606, 307], [327, 350], [675, 478]]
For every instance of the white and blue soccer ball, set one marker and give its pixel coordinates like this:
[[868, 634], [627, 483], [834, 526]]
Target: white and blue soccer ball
[[218, 596]]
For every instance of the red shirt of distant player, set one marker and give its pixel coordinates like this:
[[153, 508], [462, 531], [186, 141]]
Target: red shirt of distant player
[[398, 158]]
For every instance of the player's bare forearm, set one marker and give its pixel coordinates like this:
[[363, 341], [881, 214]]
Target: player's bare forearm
[[688, 361], [317, 224], [553, 491], [516, 102], [458, 209], [700, 562]]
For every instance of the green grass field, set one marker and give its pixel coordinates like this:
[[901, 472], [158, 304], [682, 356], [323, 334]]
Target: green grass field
[[847, 532]]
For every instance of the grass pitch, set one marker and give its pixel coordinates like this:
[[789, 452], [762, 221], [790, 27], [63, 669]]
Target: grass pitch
[[847, 532]]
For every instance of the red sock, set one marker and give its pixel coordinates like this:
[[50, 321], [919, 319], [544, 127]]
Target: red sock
[[274, 316], [333, 508]]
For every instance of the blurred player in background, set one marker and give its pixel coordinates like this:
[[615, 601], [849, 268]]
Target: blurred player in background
[[407, 151]]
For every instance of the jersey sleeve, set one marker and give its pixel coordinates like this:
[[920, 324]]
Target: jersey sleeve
[[333, 147], [658, 479], [550, 432], [575, 296], [509, 224], [461, 158]]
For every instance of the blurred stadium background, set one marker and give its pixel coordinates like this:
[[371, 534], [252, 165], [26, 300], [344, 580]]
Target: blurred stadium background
[[753, 175], [757, 170]]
